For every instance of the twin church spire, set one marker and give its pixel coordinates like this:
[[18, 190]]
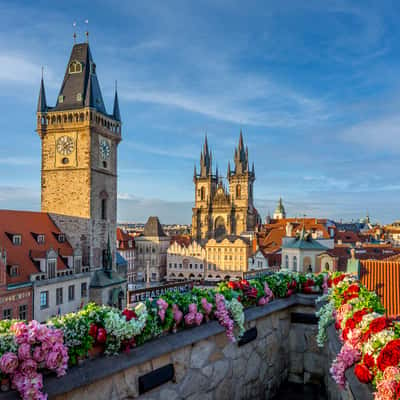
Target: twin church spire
[[80, 87], [241, 161]]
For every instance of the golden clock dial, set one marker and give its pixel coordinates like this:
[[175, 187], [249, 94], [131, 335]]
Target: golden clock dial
[[65, 145]]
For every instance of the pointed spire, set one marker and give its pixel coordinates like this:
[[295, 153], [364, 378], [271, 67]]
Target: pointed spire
[[228, 172], [42, 104], [116, 113], [194, 172], [253, 171], [216, 173]]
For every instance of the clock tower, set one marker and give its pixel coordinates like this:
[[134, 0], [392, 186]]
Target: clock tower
[[79, 160]]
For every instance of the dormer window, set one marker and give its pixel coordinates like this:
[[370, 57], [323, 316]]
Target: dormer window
[[13, 270], [40, 239], [51, 268], [75, 67], [61, 99], [17, 240], [79, 97], [61, 238]]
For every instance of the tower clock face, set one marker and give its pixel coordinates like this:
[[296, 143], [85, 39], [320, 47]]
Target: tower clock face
[[65, 145], [105, 150]]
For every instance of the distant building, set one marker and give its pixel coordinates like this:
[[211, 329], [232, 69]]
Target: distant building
[[43, 271], [280, 212], [186, 259], [221, 211], [258, 261], [126, 249], [300, 253], [151, 252]]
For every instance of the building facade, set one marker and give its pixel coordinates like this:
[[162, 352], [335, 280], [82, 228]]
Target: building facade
[[151, 252], [79, 169], [126, 248], [186, 260], [218, 210]]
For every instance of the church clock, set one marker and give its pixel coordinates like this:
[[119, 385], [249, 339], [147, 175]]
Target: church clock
[[65, 145]]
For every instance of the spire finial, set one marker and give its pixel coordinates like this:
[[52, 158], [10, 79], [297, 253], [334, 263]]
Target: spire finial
[[87, 32]]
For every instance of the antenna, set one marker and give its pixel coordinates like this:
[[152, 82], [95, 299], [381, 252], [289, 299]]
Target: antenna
[[87, 32], [74, 35]]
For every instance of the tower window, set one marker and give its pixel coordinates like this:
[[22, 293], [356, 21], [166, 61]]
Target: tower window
[[103, 208], [61, 99], [79, 97], [17, 240], [238, 191], [75, 67]]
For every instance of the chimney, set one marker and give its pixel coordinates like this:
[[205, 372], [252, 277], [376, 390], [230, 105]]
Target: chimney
[[289, 229]]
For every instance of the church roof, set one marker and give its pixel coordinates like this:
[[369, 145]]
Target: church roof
[[42, 104], [80, 86], [103, 278], [153, 228]]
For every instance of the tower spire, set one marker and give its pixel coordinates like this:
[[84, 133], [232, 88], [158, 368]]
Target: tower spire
[[228, 172], [42, 104], [116, 113]]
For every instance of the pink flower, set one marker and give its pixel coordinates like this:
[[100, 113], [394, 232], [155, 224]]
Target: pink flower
[[262, 301], [391, 373], [178, 315], [223, 316], [189, 318], [24, 351], [28, 368], [162, 304], [193, 308], [198, 318], [39, 354], [8, 363], [345, 359], [206, 306], [53, 360], [385, 390], [161, 314]]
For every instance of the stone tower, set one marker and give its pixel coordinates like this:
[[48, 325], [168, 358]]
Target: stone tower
[[79, 160], [219, 211], [241, 180]]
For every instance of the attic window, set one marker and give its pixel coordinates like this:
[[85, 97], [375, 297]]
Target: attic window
[[13, 270], [40, 239], [75, 67], [17, 240], [61, 238], [79, 97], [61, 99]]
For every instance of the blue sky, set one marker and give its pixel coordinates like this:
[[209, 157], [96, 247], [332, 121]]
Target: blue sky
[[313, 84]]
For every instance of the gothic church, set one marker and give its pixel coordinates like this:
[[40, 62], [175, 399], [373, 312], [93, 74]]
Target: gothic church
[[221, 211]]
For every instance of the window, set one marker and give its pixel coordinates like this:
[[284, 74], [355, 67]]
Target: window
[[51, 268], [191, 266], [79, 97], [170, 265], [238, 191], [44, 299], [77, 265], [61, 99], [201, 266], [40, 239], [7, 313], [59, 296], [84, 289], [153, 276], [71, 292], [294, 263], [195, 266], [23, 312], [286, 261], [17, 240], [75, 67], [14, 270], [61, 238], [103, 208]]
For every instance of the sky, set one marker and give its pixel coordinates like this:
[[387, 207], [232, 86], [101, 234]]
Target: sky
[[314, 85]]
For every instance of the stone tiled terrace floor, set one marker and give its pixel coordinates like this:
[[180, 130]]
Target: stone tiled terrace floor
[[295, 391]]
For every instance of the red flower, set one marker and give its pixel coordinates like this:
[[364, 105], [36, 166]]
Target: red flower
[[239, 299], [338, 279], [389, 355], [93, 331], [243, 284], [379, 324], [363, 373], [307, 290], [101, 335], [252, 292], [289, 292], [350, 323], [129, 314], [354, 288], [232, 285], [309, 282], [337, 325], [345, 333], [369, 361], [397, 390], [357, 316]]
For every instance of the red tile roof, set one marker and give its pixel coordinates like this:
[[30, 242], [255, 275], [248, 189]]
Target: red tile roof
[[27, 223], [348, 237], [183, 240], [124, 239]]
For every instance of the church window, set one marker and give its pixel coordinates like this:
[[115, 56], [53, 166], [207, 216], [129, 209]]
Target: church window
[[103, 208], [75, 67], [238, 191], [202, 193]]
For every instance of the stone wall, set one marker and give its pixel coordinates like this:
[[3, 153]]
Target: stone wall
[[208, 366]]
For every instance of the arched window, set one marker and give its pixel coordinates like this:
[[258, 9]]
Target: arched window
[[75, 67], [327, 266], [202, 193], [103, 209], [287, 261], [238, 191], [294, 263]]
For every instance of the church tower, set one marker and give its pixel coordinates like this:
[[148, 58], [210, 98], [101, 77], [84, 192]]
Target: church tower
[[205, 187], [79, 160], [241, 180]]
